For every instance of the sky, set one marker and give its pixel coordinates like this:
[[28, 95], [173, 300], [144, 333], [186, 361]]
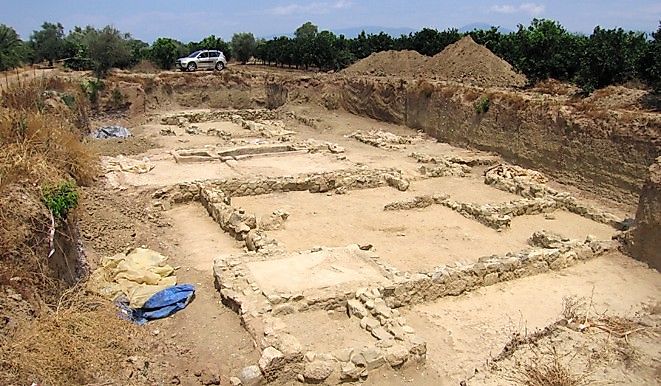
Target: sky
[[194, 19]]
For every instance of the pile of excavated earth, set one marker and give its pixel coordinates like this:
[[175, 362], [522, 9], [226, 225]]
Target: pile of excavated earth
[[464, 61]]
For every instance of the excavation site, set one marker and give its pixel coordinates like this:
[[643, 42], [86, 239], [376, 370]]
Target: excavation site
[[402, 221]]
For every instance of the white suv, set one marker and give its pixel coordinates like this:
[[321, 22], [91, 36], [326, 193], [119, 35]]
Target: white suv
[[204, 59]]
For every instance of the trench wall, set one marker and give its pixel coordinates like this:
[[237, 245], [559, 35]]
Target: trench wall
[[603, 151]]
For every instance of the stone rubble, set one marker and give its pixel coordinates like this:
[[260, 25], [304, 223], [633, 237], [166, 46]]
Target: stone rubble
[[464, 160], [530, 184], [383, 139], [445, 169], [417, 202]]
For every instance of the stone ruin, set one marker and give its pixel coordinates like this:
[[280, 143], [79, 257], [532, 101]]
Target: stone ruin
[[272, 289]]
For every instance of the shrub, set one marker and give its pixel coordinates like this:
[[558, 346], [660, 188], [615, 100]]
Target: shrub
[[60, 199], [69, 100], [117, 99], [91, 88], [482, 105]]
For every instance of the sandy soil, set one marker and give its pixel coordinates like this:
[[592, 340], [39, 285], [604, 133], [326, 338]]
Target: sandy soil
[[475, 327], [322, 269], [200, 237], [416, 240], [332, 331]]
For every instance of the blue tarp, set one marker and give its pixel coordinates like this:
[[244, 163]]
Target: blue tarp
[[161, 305]]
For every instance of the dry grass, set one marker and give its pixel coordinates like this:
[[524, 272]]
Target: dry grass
[[40, 136], [81, 341], [618, 326], [40, 149], [555, 87], [547, 370], [40, 144], [574, 308]]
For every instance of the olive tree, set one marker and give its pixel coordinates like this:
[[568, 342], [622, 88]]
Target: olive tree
[[243, 46], [48, 42]]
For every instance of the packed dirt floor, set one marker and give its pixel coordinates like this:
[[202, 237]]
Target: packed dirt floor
[[327, 247]]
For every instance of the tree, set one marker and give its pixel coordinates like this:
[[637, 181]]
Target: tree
[[165, 52], [544, 50], [610, 57], [10, 48], [306, 31], [243, 46], [48, 42], [108, 48], [430, 41], [211, 42], [304, 42], [649, 65]]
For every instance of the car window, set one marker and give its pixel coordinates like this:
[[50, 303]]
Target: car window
[[214, 54], [194, 54], [203, 55]]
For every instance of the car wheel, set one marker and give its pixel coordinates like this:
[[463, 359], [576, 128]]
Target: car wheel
[[220, 66], [191, 67]]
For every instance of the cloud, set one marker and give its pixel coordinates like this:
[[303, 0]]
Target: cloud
[[529, 8], [314, 8]]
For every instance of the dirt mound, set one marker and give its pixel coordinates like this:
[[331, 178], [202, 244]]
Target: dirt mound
[[390, 63], [463, 61], [467, 61]]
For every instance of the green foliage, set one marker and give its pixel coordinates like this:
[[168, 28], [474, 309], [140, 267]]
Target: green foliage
[[69, 100], [10, 48], [108, 48], [306, 31], [212, 43], [48, 42], [543, 50], [117, 99], [243, 46], [610, 57], [430, 41], [79, 64], [165, 52], [91, 88], [60, 199], [649, 64], [482, 105]]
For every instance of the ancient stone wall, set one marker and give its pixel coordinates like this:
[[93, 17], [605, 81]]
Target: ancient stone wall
[[548, 254]]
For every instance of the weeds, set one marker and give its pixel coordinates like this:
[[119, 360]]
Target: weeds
[[547, 370], [81, 341], [60, 199], [573, 308], [69, 100], [117, 99], [482, 105], [91, 88]]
